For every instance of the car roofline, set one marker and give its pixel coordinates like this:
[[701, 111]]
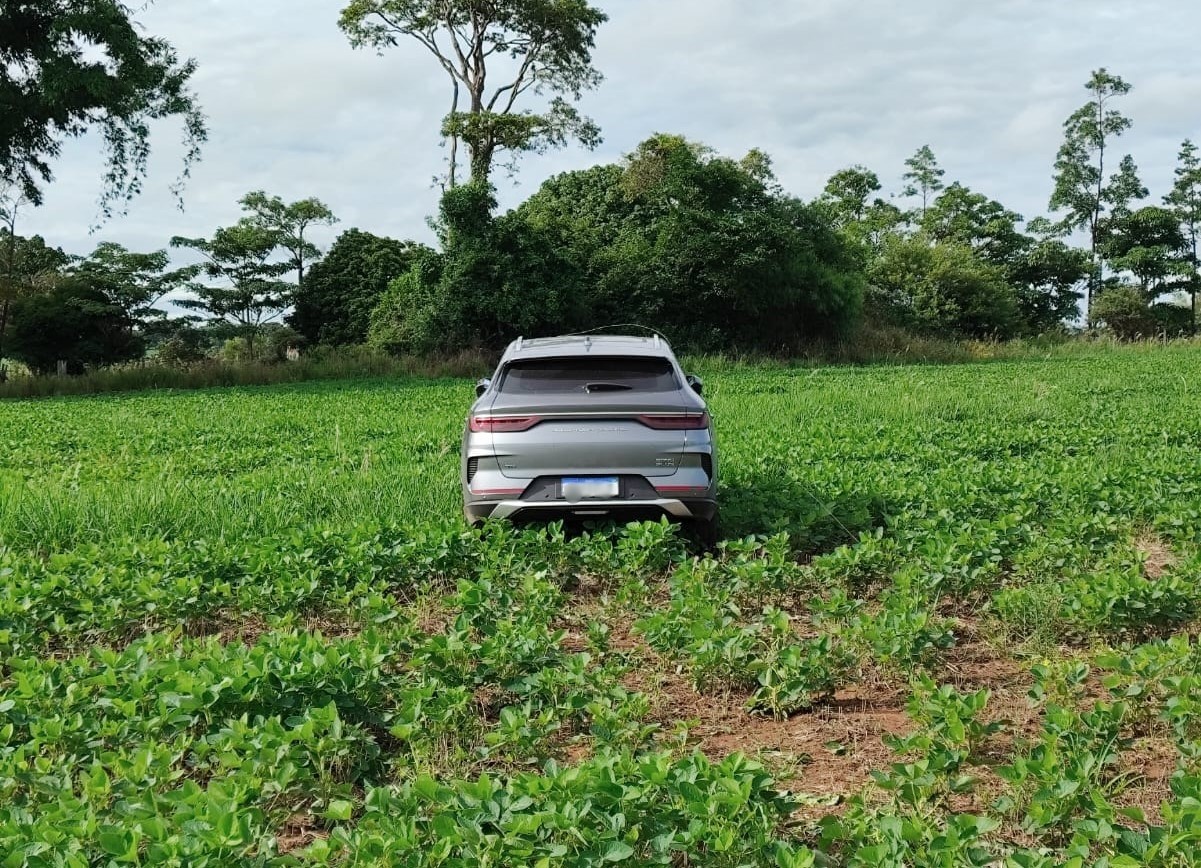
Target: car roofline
[[577, 346]]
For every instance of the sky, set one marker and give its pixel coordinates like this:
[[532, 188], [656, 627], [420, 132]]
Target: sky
[[819, 85]]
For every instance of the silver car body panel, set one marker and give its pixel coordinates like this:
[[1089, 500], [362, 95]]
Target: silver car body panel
[[595, 508], [575, 433]]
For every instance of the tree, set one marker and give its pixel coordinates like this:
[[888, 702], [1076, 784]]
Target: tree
[[72, 323], [1080, 183], [984, 224], [1185, 202], [848, 205], [1044, 273], [67, 66], [846, 194], [703, 247], [924, 176], [333, 306], [289, 223], [27, 265], [941, 289], [1149, 244], [134, 282], [1046, 279], [533, 46], [495, 279], [1124, 188], [1123, 310], [249, 292]]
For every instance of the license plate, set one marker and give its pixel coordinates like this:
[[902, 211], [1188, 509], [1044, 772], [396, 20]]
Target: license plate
[[580, 487]]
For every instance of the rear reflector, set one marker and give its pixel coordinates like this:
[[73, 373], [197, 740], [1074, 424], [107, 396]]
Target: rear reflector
[[682, 422], [500, 424]]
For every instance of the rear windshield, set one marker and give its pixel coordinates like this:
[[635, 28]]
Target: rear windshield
[[586, 374]]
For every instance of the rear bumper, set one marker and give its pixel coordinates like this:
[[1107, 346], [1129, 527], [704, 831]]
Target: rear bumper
[[683, 509]]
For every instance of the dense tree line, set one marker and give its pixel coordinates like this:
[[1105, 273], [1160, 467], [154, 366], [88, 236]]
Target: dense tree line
[[706, 247]]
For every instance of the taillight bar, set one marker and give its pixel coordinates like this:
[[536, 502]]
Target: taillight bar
[[502, 424], [681, 422]]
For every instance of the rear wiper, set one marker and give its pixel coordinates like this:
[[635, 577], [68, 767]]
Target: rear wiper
[[607, 387]]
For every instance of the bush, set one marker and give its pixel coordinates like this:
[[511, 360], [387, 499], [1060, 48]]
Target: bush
[[941, 289], [1123, 310], [1172, 320], [700, 247], [497, 279], [72, 323], [333, 306]]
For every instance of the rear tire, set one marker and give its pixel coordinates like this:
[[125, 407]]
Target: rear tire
[[707, 532]]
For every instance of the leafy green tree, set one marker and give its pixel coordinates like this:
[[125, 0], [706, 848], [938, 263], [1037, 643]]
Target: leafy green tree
[[1125, 188], [1044, 273], [1047, 278], [134, 282], [247, 289], [529, 46], [1082, 190], [847, 204], [1149, 244], [1123, 310], [703, 248], [924, 177], [179, 340], [847, 193], [1185, 202], [984, 224], [333, 306], [72, 323], [27, 265], [68, 66], [290, 222], [941, 289], [496, 278]]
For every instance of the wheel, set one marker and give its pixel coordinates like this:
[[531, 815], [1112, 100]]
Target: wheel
[[707, 532]]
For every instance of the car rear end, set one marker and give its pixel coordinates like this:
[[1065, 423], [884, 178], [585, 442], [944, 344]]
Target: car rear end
[[589, 429]]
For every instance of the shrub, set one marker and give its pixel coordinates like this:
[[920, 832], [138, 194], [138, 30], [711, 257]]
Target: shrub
[[1123, 310]]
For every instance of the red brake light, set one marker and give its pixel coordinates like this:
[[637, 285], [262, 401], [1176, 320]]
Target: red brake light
[[502, 424], [685, 422]]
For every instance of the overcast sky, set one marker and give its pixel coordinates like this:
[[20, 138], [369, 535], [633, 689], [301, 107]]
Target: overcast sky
[[818, 84]]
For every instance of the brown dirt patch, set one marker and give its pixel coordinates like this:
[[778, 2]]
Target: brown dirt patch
[[298, 832], [1150, 762], [976, 663], [245, 628], [1158, 557], [828, 750], [330, 626], [430, 615]]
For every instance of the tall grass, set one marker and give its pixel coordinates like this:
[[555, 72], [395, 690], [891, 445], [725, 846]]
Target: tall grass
[[868, 346], [353, 363], [890, 346]]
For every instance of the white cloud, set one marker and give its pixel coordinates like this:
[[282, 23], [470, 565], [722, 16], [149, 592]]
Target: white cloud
[[820, 85]]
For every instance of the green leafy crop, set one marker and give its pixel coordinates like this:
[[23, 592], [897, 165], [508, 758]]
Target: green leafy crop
[[247, 627]]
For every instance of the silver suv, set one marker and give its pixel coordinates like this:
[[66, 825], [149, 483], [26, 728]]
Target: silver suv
[[590, 427]]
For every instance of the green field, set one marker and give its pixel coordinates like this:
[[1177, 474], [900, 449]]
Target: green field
[[953, 624]]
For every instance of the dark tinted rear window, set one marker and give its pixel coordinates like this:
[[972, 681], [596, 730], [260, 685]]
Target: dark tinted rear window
[[641, 374]]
